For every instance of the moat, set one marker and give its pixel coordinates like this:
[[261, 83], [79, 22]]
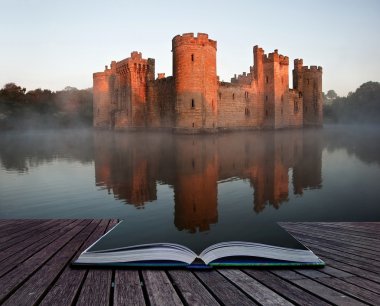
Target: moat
[[192, 183]]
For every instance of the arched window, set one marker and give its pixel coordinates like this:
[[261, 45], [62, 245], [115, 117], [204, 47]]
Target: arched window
[[192, 57]]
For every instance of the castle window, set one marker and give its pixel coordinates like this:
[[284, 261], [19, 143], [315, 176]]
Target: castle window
[[192, 103], [295, 106], [266, 113], [300, 94], [267, 79], [247, 112], [233, 96], [193, 124], [192, 57], [266, 98]]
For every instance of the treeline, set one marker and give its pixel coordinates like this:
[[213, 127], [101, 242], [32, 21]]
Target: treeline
[[43, 108], [361, 106]]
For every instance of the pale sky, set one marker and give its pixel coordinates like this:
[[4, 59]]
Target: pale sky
[[54, 44]]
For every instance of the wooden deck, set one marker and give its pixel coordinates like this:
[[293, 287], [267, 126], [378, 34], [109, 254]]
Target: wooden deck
[[35, 257]]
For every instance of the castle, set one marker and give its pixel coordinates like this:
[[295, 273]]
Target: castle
[[128, 96]]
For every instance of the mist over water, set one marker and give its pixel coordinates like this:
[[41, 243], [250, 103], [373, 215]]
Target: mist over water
[[192, 183]]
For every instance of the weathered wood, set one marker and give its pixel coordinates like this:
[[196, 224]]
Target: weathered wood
[[10, 225], [159, 288], [100, 279], [253, 288], [191, 289], [35, 269], [226, 292], [23, 232], [17, 276], [347, 253], [128, 288], [25, 245], [352, 269], [335, 272], [282, 287], [96, 288], [16, 259], [349, 228], [66, 287], [357, 262], [32, 290], [364, 241], [333, 243], [364, 283], [352, 290], [327, 293]]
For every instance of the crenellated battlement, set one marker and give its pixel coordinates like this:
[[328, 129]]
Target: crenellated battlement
[[276, 57], [189, 39], [315, 69]]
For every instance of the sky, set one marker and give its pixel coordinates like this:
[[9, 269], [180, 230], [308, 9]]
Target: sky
[[54, 44]]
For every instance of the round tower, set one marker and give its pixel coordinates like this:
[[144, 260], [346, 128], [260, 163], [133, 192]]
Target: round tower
[[196, 84]]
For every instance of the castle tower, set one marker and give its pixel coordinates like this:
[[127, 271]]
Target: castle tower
[[134, 74], [102, 98], [312, 96], [276, 80], [194, 72]]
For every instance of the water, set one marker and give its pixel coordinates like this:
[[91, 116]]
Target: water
[[193, 183]]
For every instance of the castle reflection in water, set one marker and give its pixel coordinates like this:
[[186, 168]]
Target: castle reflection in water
[[131, 166]]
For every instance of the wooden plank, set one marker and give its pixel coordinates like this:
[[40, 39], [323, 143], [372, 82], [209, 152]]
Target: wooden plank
[[159, 288], [368, 242], [27, 251], [15, 249], [330, 242], [99, 279], [17, 276], [193, 292], [67, 286], [284, 288], [352, 290], [96, 289], [327, 293], [357, 262], [352, 269], [257, 291], [32, 290], [335, 272], [128, 289], [369, 248], [365, 231], [12, 224], [23, 232], [29, 235], [364, 283], [345, 253], [225, 291]]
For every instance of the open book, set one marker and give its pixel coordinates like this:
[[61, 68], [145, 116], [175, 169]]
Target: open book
[[118, 248]]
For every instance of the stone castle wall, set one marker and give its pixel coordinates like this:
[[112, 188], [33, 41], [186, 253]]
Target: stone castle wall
[[127, 96]]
